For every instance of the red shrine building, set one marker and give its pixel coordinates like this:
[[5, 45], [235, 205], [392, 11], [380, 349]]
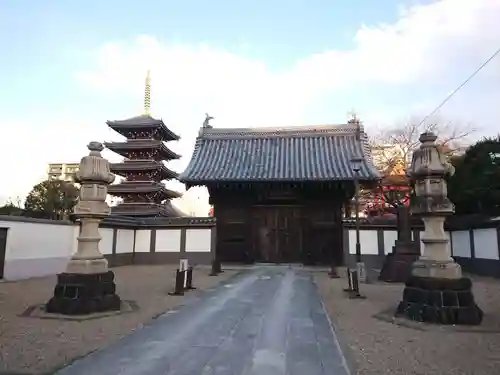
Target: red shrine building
[[278, 193], [393, 189]]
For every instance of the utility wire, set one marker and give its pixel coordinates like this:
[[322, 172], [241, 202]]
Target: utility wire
[[460, 87]]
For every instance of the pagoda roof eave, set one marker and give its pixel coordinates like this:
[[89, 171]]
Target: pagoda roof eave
[[150, 210], [137, 187], [143, 165], [143, 122], [141, 144]]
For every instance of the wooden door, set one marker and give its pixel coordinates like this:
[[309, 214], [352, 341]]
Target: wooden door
[[324, 236], [289, 234], [277, 234], [3, 249], [265, 234]]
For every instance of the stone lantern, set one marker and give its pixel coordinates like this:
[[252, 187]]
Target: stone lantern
[[436, 290], [88, 286]]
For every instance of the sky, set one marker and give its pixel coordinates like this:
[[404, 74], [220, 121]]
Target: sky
[[69, 66]]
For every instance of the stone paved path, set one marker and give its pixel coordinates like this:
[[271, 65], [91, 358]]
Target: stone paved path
[[264, 321]]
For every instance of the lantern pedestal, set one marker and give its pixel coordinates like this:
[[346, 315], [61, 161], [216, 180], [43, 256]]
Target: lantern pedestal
[[437, 292], [397, 266], [80, 294], [439, 301]]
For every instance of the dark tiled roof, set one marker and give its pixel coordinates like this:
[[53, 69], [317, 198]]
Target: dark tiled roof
[[137, 187], [319, 153], [122, 148], [143, 122], [142, 211], [143, 165]]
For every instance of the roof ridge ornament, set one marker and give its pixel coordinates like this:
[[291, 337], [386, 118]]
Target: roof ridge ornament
[[205, 125], [206, 122], [354, 120]]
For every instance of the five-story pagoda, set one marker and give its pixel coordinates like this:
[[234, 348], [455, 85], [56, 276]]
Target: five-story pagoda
[[143, 192]]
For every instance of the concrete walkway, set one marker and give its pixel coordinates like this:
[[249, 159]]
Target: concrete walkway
[[264, 321]]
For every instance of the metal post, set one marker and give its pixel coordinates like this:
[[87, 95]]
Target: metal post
[[189, 279], [356, 207], [214, 271], [360, 266], [349, 281], [355, 294], [179, 284]]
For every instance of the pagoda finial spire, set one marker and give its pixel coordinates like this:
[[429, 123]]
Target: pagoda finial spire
[[147, 95]]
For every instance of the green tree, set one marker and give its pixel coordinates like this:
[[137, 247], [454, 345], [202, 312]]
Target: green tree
[[51, 199], [475, 186]]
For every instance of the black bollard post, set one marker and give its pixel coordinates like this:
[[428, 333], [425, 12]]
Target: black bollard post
[[355, 281], [355, 294], [218, 265], [333, 273], [179, 284], [189, 279], [214, 268], [349, 281]]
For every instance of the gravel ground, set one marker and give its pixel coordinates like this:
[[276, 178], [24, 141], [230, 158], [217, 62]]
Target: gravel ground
[[34, 346], [377, 347]]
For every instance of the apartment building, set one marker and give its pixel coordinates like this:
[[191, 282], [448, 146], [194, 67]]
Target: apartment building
[[62, 171]]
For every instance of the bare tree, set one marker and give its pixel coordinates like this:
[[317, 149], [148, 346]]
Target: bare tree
[[397, 143], [392, 149]]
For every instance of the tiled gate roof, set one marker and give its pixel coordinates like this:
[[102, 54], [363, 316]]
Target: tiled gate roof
[[319, 153]]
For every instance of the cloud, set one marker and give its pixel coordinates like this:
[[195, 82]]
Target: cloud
[[390, 70], [439, 43]]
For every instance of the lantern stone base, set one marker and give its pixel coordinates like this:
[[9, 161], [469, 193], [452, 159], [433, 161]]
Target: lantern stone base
[[447, 269], [397, 267], [439, 301], [87, 266], [82, 294]]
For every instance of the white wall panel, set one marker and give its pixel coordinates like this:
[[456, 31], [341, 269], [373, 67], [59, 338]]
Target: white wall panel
[[168, 240], [125, 241], [198, 240], [486, 243], [461, 243], [143, 241], [367, 239], [390, 237], [106, 243]]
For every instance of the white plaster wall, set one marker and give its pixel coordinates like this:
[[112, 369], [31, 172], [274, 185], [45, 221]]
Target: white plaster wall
[[125, 241], [199, 240], [143, 241], [168, 240], [485, 243], [106, 243], [367, 239], [37, 249], [461, 243], [390, 237], [35, 240]]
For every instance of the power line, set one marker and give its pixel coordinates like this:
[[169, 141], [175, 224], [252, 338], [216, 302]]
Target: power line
[[460, 87]]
